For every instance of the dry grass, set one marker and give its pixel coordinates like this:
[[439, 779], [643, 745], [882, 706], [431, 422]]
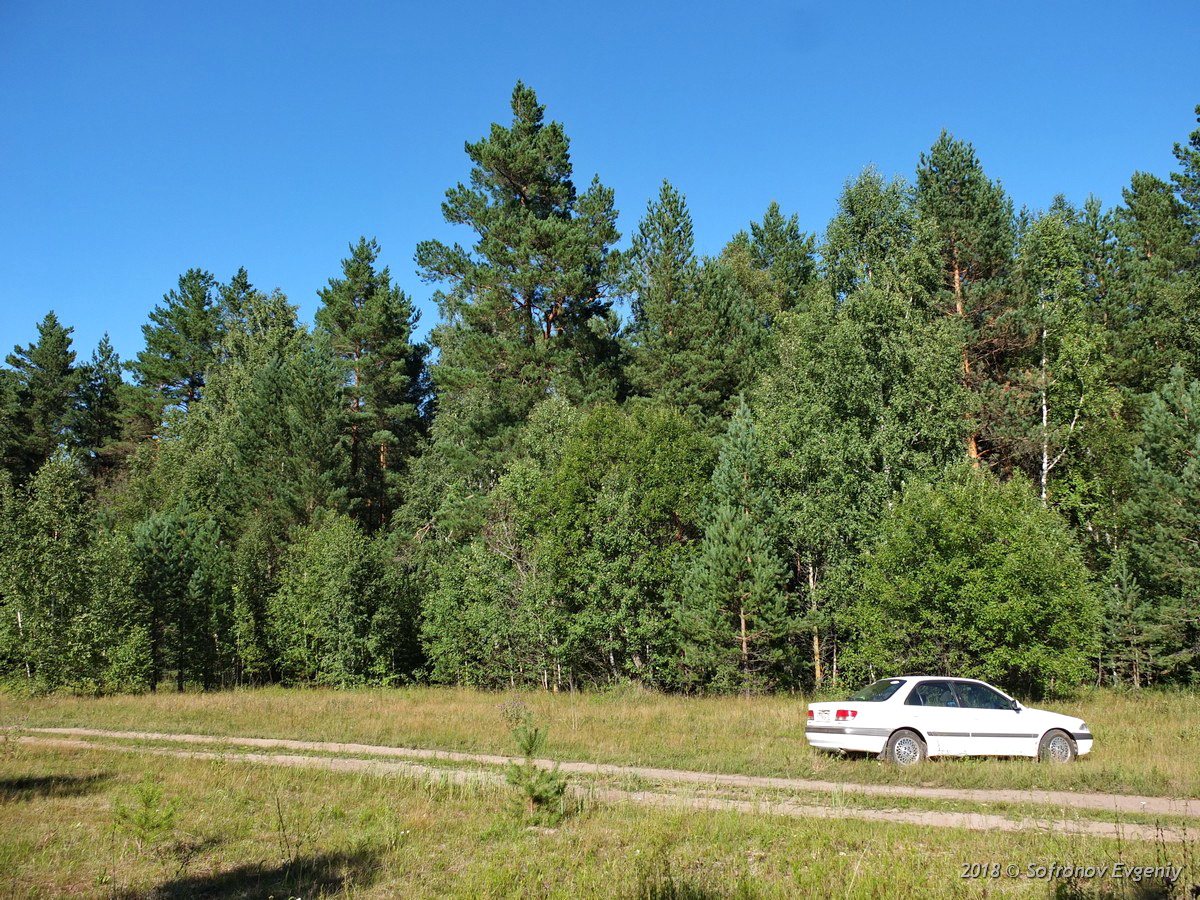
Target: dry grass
[[246, 831], [1145, 743]]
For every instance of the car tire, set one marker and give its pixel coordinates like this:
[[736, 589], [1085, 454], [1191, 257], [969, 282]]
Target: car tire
[[1056, 747], [905, 748]]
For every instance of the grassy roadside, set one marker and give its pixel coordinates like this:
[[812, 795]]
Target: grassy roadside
[[1145, 743], [246, 831], [838, 798]]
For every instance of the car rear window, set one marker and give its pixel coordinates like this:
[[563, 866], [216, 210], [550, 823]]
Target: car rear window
[[878, 691]]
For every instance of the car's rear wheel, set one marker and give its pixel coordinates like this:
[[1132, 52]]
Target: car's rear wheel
[[1056, 747], [905, 748]]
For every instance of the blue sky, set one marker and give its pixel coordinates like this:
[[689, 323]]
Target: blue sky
[[139, 139]]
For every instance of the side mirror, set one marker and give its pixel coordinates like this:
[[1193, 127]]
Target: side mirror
[[1016, 706]]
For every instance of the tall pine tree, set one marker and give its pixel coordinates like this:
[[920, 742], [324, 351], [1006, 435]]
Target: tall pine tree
[[182, 339], [973, 220], [370, 324], [41, 392], [527, 311], [696, 335]]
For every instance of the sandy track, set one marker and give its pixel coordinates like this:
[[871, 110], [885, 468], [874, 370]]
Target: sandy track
[[403, 761]]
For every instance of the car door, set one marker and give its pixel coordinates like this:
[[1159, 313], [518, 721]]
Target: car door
[[996, 728], [934, 708]]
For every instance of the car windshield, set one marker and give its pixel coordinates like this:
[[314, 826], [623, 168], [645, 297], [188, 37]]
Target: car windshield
[[878, 691]]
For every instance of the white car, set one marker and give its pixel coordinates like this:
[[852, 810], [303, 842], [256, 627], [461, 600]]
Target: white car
[[906, 719]]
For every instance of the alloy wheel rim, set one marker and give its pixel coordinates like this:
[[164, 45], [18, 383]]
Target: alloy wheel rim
[[1060, 751], [906, 751]]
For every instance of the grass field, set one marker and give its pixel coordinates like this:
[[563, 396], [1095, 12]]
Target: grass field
[[83, 821], [1145, 743], [249, 831]]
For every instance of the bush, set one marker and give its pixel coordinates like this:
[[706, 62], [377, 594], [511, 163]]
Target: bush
[[973, 577]]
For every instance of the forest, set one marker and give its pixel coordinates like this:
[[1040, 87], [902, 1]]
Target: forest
[[943, 435]]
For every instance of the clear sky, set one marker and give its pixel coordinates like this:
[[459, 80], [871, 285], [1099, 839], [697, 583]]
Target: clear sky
[[139, 138]]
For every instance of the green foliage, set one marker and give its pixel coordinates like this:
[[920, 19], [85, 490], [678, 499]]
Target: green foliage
[[971, 214], [973, 577], [775, 261], [182, 338], [40, 391], [96, 418], [1187, 181], [865, 398], [148, 818], [1163, 516], [696, 336], [272, 502], [1057, 388], [541, 790], [527, 311], [736, 620], [45, 577], [370, 324], [341, 614], [878, 238], [971, 219], [182, 596], [616, 519], [577, 572]]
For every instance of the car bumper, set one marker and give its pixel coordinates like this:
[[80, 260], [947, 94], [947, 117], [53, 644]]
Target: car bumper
[[1083, 742], [834, 737]]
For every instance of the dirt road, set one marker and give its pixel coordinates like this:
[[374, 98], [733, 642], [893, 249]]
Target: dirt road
[[685, 789]]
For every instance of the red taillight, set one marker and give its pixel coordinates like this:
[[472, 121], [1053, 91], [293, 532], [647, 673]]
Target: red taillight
[[811, 714], [845, 715]]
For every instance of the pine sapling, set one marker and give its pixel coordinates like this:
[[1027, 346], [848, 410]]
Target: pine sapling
[[541, 790]]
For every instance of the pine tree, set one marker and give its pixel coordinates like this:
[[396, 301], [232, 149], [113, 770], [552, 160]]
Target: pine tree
[[370, 323], [12, 431], [1187, 182], [182, 339], [973, 220], [95, 421], [780, 248], [42, 387], [661, 264], [527, 311], [695, 337], [1163, 516], [182, 597], [1159, 269], [735, 615]]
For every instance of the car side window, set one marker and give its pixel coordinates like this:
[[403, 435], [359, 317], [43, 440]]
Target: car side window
[[978, 696], [932, 693]]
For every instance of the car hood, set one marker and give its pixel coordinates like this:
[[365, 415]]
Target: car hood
[[1046, 719]]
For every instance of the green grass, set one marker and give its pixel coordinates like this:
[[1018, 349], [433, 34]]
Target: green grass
[[249, 831], [632, 782], [1145, 742]]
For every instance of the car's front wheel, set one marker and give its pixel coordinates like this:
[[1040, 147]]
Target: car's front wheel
[[905, 748], [1056, 747]]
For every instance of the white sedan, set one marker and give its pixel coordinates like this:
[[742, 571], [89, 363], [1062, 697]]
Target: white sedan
[[906, 719]]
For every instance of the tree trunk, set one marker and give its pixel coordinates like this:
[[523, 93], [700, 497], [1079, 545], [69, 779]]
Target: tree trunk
[[1045, 423], [818, 673], [745, 648], [960, 310]]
